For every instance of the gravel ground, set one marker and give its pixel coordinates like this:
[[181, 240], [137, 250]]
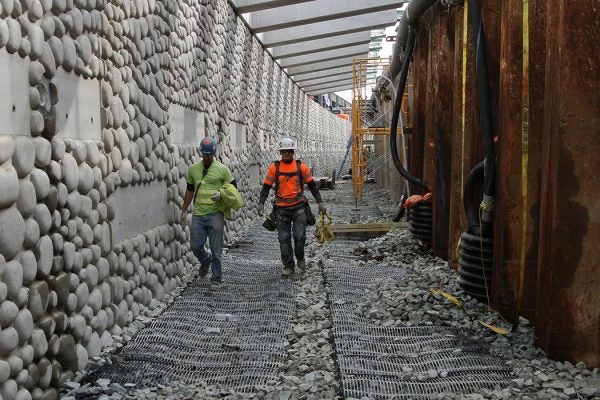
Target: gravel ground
[[310, 371]]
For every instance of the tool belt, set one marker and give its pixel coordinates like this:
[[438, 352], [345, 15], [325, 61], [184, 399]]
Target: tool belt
[[270, 222], [310, 217], [293, 201]]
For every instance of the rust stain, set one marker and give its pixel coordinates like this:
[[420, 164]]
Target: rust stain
[[569, 323]]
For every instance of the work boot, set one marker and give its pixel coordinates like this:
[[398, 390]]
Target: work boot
[[214, 286], [301, 264], [287, 271], [204, 268]]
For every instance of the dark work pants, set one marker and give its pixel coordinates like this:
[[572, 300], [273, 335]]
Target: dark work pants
[[291, 221]]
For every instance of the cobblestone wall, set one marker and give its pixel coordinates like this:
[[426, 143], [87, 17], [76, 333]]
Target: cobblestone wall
[[102, 106]]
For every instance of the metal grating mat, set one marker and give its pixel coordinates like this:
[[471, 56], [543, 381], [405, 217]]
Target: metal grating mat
[[418, 362], [379, 388], [390, 365], [234, 337]]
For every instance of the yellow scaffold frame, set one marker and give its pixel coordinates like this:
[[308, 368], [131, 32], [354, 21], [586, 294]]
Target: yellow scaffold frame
[[361, 67]]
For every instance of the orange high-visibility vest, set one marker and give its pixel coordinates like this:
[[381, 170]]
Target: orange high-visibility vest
[[289, 190]]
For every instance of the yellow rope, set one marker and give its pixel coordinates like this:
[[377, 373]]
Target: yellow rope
[[464, 97], [323, 232], [524, 156]]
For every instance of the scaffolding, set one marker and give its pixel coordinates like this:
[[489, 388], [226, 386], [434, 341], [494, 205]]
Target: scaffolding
[[366, 122]]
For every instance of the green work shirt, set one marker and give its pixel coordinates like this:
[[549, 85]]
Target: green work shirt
[[216, 176]]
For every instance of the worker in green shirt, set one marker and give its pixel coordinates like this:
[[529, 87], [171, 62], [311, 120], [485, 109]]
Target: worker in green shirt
[[204, 182]]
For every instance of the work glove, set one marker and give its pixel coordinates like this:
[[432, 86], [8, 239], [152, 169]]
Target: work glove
[[215, 197], [183, 218], [261, 209], [322, 208]]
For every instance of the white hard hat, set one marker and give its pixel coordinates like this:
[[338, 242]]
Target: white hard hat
[[287, 143]]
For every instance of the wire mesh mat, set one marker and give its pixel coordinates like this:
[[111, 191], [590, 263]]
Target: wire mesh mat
[[383, 387], [233, 337], [418, 362]]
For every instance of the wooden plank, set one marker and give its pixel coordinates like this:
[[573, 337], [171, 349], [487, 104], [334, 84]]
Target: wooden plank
[[366, 230]]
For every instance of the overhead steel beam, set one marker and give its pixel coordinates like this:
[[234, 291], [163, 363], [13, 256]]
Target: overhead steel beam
[[344, 82], [247, 6], [322, 30], [322, 66], [317, 11], [323, 74], [320, 81], [330, 88], [325, 56], [333, 87], [314, 46], [325, 89]]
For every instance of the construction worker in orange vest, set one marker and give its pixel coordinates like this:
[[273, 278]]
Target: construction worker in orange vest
[[288, 176]]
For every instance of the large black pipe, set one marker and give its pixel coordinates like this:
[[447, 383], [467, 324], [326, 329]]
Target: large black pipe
[[399, 47], [396, 114], [485, 113], [475, 175], [410, 18], [403, 49]]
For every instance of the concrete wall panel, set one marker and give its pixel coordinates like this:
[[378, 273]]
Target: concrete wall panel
[[187, 126], [138, 208], [15, 111], [78, 107]]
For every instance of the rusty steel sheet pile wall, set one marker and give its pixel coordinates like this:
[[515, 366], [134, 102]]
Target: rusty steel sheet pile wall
[[510, 153], [103, 104], [545, 231], [568, 304]]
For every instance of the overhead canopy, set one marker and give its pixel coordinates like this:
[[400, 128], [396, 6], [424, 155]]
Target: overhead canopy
[[315, 41]]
